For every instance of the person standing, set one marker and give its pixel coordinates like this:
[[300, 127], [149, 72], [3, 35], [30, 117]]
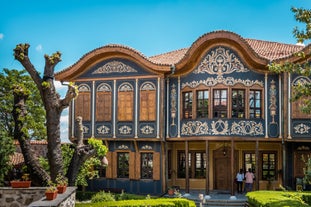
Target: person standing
[[239, 180], [249, 179]]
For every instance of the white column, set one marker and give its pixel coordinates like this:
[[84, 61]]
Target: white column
[[136, 108], [158, 108], [167, 106], [114, 108], [280, 107], [93, 108], [266, 105], [178, 105], [289, 106]]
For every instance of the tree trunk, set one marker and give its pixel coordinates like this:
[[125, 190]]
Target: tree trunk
[[38, 175]]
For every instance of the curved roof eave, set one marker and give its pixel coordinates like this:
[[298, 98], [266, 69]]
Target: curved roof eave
[[226, 38], [105, 52], [294, 58]]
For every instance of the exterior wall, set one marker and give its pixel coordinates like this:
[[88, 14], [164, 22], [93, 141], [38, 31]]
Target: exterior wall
[[220, 60]]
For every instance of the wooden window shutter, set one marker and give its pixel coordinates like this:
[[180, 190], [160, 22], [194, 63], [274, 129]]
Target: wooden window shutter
[[156, 166], [125, 106], [103, 106], [147, 105], [132, 166], [110, 165], [114, 164], [83, 106], [138, 167]]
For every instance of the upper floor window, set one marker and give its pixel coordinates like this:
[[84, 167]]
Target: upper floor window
[[147, 102], [187, 105], [123, 164], [202, 103], [103, 102], [238, 103], [83, 103], [255, 104], [146, 165], [220, 102], [125, 102]]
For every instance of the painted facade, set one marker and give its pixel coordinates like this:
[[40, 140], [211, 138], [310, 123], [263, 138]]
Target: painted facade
[[215, 104]]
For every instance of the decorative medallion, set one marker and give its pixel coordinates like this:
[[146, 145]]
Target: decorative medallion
[[220, 127], [247, 128], [146, 147], [84, 88], [124, 87], [85, 129], [220, 61], [104, 87], [123, 146], [103, 130], [148, 86], [194, 128], [147, 129], [301, 129], [301, 80], [229, 81], [114, 67], [303, 148], [125, 130]]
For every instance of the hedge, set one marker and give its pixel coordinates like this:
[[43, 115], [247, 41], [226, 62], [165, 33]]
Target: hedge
[[278, 198]]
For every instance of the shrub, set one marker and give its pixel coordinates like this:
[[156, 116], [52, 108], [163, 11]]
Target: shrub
[[102, 196]]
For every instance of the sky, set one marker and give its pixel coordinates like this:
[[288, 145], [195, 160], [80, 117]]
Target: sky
[[75, 27]]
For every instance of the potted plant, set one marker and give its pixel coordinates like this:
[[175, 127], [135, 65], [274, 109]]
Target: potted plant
[[23, 183], [171, 191], [51, 191], [61, 183]]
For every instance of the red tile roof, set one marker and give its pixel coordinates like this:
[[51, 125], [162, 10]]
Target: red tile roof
[[265, 49], [17, 159]]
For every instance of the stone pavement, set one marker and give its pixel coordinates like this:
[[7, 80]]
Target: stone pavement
[[215, 198]]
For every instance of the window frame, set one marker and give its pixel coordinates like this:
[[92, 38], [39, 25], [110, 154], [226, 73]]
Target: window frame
[[253, 107], [204, 106], [123, 171], [187, 104], [221, 110], [146, 172]]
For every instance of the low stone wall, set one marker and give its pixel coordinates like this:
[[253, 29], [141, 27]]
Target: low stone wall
[[19, 197], [35, 197]]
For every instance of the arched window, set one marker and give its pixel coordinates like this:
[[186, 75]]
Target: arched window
[[125, 102], [147, 102], [103, 102], [83, 102]]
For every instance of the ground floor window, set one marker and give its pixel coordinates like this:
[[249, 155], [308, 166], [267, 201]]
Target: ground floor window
[[249, 161], [123, 165], [146, 165], [268, 166], [198, 170]]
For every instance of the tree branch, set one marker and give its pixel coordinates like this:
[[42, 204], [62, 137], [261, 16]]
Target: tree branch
[[21, 54], [50, 63], [72, 93]]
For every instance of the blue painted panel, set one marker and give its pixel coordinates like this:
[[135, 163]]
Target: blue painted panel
[[223, 127], [301, 128], [115, 67], [147, 129], [103, 129], [125, 129]]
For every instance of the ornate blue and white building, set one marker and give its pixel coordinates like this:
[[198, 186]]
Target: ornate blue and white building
[[192, 117]]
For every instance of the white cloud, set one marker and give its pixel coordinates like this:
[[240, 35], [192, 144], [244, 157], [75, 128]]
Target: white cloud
[[1, 36], [39, 48], [64, 126]]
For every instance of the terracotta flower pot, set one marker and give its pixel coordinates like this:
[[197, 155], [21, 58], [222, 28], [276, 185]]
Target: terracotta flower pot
[[20, 184], [61, 189], [50, 195]]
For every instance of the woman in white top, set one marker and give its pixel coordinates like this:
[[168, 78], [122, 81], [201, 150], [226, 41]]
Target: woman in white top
[[239, 180]]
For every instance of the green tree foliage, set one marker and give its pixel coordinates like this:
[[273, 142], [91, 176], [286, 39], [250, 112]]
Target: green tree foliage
[[6, 150], [35, 120], [301, 66]]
